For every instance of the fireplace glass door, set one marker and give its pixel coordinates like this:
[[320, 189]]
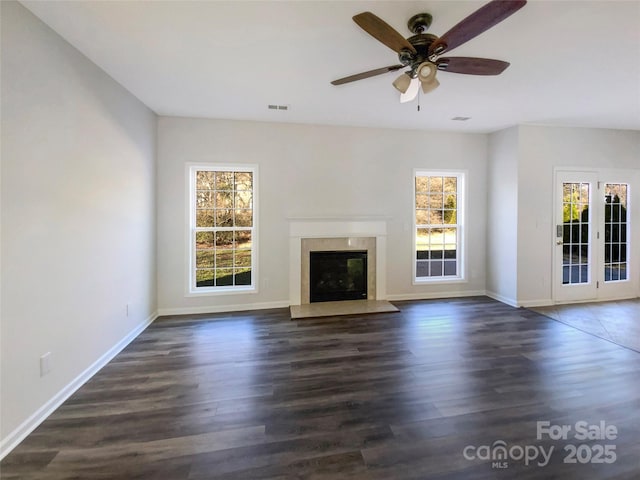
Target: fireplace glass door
[[338, 275]]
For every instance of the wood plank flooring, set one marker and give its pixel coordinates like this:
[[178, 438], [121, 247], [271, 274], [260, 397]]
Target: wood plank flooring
[[254, 395]]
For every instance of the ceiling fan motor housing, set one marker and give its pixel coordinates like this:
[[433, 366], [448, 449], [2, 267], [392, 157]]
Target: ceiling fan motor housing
[[421, 43]]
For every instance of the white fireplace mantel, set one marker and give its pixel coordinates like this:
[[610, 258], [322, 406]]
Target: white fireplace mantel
[[335, 227]]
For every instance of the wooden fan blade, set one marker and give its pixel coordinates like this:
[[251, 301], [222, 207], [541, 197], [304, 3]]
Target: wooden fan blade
[[383, 32], [370, 73], [479, 21], [472, 66]]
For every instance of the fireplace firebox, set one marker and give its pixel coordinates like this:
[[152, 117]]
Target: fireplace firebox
[[337, 275]]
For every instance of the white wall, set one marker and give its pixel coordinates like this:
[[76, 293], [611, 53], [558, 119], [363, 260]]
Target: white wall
[[78, 218], [313, 171], [542, 149], [502, 216]]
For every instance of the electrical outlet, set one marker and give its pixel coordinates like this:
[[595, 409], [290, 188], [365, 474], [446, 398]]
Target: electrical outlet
[[45, 364], [128, 309], [265, 283]]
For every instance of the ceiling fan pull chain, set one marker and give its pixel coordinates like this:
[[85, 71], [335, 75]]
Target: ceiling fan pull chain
[[419, 96]]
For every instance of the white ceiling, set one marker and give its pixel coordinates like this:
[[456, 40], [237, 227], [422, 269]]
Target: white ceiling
[[573, 63]]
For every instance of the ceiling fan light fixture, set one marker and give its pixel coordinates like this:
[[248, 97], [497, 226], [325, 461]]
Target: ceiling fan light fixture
[[402, 83], [412, 91], [429, 86], [427, 72], [427, 75]]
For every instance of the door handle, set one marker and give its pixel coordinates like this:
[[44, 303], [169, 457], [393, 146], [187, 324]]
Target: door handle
[[559, 242]]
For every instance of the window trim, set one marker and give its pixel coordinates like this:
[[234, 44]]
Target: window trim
[[461, 175], [191, 289]]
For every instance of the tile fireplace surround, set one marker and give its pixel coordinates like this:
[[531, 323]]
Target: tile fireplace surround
[[329, 234]]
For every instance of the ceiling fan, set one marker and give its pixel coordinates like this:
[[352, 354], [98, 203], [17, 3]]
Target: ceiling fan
[[421, 53]]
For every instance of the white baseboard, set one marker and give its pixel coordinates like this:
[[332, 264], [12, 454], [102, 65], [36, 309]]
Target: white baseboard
[[222, 308], [434, 295], [592, 300], [537, 303], [547, 302], [12, 440], [501, 298]]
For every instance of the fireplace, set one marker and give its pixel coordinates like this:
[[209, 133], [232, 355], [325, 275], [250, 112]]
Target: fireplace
[[338, 275], [362, 234]]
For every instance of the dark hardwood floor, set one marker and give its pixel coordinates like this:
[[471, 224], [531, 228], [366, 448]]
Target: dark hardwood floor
[[255, 395]]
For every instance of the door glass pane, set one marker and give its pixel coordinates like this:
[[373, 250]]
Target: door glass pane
[[575, 233], [615, 232]]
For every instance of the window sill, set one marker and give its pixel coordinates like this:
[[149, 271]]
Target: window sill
[[206, 292], [439, 280]]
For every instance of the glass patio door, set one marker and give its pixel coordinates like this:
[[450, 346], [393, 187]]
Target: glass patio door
[[575, 237], [615, 239], [592, 244]]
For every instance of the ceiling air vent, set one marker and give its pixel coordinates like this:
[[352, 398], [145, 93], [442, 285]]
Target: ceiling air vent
[[278, 107], [460, 119]]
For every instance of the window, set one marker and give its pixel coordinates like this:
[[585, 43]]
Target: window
[[438, 231], [222, 229], [576, 233], [615, 232]]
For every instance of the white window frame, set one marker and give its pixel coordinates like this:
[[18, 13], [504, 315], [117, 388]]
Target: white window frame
[[192, 289], [461, 204]]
